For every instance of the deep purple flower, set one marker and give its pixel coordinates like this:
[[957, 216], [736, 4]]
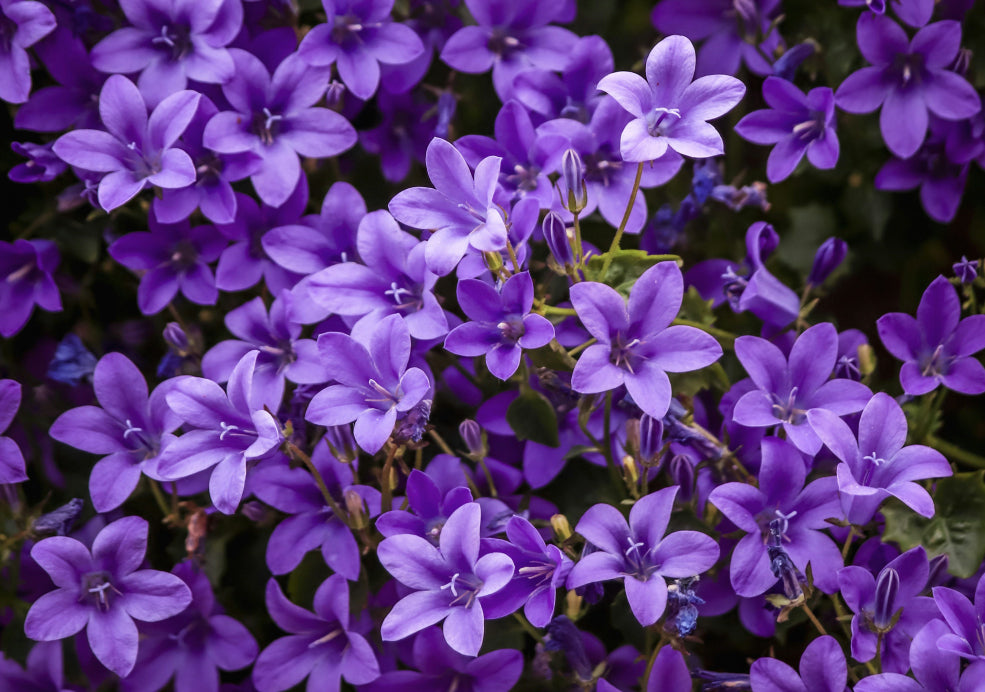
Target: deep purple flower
[[25, 280], [787, 390], [273, 116], [908, 78], [449, 582], [966, 270], [374, 383], [502, 324], [430, 507], [878, 465], [171, 42], [137, 150], [22, 24], [172, 257], [103, 591], [636, 344], [572, 94], [936, 347], [193, 646], [44, 673], [321, 645], [935, 670], [357, 36], [796, 124], [916, 13], [12, 469], [966, 621], [459, 208], [822, 669], [828, 257], [130, 430], [669, 110], [403, 133], [42, 164], [640, 553]]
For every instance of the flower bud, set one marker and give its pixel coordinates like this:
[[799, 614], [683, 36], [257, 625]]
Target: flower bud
[[471, 434], [176, 339], [831, 254], [72, 361], [556, 236], [355, 508], [629, 470], [336, 90], [561, 526], [341, 443], [682, 474], [887, 589], [59, 521], [651, 440], [573, 176], [966, 270]]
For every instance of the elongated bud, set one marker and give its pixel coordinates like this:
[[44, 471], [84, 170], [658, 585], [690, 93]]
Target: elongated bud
[[629, 470], [651, 440], [573, 176], [471, 434], [562, 529], [341, 443], [866, 360], [176, 339], [355, 508], [682, 474], [887, 589], [556, 236], [60, 521], [829, 256]]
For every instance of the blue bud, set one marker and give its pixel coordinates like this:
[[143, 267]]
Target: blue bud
[[573, 177], [556, 236], [829, 256]]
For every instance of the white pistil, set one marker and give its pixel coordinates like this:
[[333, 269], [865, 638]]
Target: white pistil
[[451, 585]]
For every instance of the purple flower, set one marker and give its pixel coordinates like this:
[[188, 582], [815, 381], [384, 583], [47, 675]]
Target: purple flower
[[273, 116], [130, 430], [320, 644], [639, 553], [449, 582], [459, 208], [511, 36], [572, 94], [25, 280], [796, 124], [12, 469], [172, 257], [391, 279], [192, 646], [636, 345], [22, 24], [136, 150], [966, 621], [42, 164], [357, 36], [430, 506], [374, 383], [908, 78], [103, 591], [44, 673], [228, 431], [669, 110], [822, 669], [966, 270], [937, 346], [802, 513], [787, 390], [935, 670], [171, 42], [403, 133], [502, 325], [878, 465]]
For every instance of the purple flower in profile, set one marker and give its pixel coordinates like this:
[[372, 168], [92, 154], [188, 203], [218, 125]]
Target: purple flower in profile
[[669, 110], [357, 36], [193, 646], [802, 513], [502, 324], [22, 24], [449, 582], [172, 257], [321, 645], [796, 124], [908, 78], [137, 150], [822, 669], [130, 430], [935, 670], [170, 42], [374, 382], [12, 469], [103, 591], [936, 347], [511, 36], [916, 13], [636, 344], [966, 621], [25, 280], [639, 553], [229, 430], [274, 117], [878, 466], [459, 208], [787, 389]]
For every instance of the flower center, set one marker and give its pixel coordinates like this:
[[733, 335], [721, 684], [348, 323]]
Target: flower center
[[265, 125], [174, 40], [502, 44], [511, 329], [621, 355], [661, 119], [97, 590], [787, 411], [463, 589]]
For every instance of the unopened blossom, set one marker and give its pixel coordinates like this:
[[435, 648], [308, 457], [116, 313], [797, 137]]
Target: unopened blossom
[[669, 110], [639, 553], [637, 346], [103, 591], [909, 78], [26, 267], [22, 24], [12, 469], [937, 347], [135, 150], [796, 124]]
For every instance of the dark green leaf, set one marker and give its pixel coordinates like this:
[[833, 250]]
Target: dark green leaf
[[533, 418], [625, 268]]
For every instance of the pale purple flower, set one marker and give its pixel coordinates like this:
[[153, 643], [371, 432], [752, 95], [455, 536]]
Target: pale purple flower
[[25, 280], [22, 24], [104, 592], [669, 111]]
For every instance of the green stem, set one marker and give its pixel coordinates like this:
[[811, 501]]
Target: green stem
[[551, 310], [580, 347], [489, 478], [955, 453], [625, 219], [513, 260], [296, 453], [527, 627], [652, 661], [440, 441], [848, 543], [158, 494], [929, 407], [579, 254]]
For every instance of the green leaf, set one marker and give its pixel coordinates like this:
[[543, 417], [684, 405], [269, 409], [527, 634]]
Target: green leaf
[[957, 529], [696, 308], [625, 269], [533, 418]]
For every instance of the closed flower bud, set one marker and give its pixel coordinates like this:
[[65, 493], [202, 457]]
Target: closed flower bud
[[651, 440], [831, 254], [562, 529], [629, 470], [556, 236], [58, 522], [471, 434], [887, 589], [573, 177], [682, 474], [176, 339], [355, 508]]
